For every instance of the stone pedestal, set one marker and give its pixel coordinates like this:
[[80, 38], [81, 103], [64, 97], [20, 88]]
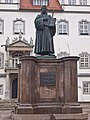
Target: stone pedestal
[[48, 86]]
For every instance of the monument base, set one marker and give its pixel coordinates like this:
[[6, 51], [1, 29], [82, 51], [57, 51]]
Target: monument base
[[47, 108], [49, 111], [48, 89], [80, 116]]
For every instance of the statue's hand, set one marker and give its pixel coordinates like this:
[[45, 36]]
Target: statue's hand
[[45, 19]]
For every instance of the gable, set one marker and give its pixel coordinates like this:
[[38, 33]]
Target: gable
[[19, 43]]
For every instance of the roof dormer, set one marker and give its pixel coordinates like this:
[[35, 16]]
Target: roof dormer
[[36, 4]]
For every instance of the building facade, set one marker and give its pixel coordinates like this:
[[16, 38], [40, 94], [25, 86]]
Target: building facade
[[73, 35], [72, 38]]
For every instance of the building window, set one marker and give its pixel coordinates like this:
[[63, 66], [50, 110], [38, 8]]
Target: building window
[[62, 1], [19, 26], [72, 2], [8, 1], [40, 2], [63, 27], [1, 89], [84, 27], [84, 60], [86, 87], [2, 1], [1, 26], [83, 2]]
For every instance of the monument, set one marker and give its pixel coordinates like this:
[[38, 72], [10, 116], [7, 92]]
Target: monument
[[47, 87]]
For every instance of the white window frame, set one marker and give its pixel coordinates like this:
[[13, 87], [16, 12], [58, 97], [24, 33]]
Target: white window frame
[[2, 1], [83, 2], [84, 27], [84, 61], [8, 1], [1, 26], [86, 87], [40, 2], [63, 27], [1, 89], [72, 2], [18, 26]]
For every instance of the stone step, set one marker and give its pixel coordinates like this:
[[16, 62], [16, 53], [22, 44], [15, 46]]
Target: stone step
[[6, 118], [7, 104], [82, 116], [85, 105]]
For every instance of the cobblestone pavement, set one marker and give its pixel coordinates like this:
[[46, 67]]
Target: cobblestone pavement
[[88, 115], [5, 114], [86, 108]]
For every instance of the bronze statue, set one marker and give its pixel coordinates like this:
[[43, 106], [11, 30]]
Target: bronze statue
[[45, 30]]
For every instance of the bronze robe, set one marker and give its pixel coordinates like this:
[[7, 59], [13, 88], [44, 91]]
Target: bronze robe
[[45, 30]]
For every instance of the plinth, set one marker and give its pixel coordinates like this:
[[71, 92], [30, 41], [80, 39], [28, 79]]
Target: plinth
[[48, 86]]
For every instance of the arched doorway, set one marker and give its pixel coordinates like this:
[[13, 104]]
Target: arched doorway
[[14, 88]]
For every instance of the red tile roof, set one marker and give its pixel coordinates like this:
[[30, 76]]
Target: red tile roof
[[27, 4]]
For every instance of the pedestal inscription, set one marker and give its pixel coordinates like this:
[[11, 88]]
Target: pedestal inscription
[[48, 85], [47, 78]]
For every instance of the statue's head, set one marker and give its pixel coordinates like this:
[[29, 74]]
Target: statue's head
[[44, 9]]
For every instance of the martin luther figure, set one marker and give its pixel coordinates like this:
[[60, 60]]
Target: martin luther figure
[[45, 30]]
